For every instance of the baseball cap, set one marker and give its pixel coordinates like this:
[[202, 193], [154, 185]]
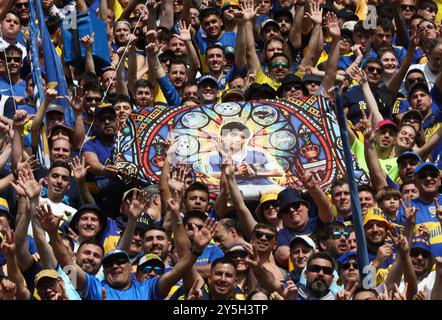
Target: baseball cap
[[343, 260], [239, 247], [65, 128], [347, 34], [269, 195], [420, 243], [4, 209], [408, 154], [349, 25], [290, 80], [347, 15], [226, 3], [54, 107], [418, 86], [115, 254], [104, 108], [311, 78], [129, 192], [88, 207], [282, 13], [386, 122], [289, 196], [150, 258], [237, 94], [266, 22], [46, 273], [376, 214], [207, 77], [426, 165], [304, 238], [412, 113]]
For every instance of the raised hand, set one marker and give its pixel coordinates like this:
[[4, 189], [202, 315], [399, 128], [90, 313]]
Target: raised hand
[[402, 245], [410, 212], [438, 265], [177, 180], [195, 292], [397, 295], [7, 246], [153, 46], [248, 10], [7, 289], [202, 237], [31, 163], [357, 50], [174, 207], [421, 294], [331, 22], [365, 126], [27, 184], [253, 259], [79, 168], [133, 208], [20, 118], [290, 290], [275, 295], [348, 292], [50, 95], [185, 34], [383, 253], [307, 178], [76, 104], [5, 126], [131, 42], [48, 221], [315, 13], [88, 41], [385, 294], [358, 75]]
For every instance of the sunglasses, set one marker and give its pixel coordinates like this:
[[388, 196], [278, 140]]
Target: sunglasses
[[294, 206], [407, 7], [317, 268], [350, 264], [275, 65], [293, 86], [373, 69], [189, 226], [338, 234], [411, 81], [431, 174], [158, 270], [90, 99], [268, 236], [273, 204], [417, 253], [23, 4], [15, 59], [118, 261]]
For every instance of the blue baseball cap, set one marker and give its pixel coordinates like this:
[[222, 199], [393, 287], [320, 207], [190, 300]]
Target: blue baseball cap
[[420, 243], [426, 165], [289, 196], [115, 254], [343, 260], [408, 154]]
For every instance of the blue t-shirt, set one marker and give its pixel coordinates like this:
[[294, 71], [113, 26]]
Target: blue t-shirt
[[7, 107], [426, 215], [103, 152], [285, 235], [436, 155], [210, 253], [18, 89], [146, 290]]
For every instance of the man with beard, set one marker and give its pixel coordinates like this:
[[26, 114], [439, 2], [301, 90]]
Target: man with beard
[[108, 82], [332, 238], [320, 268], [118, 283], [50, 285], [383, 39], [97, 152], [157, 241], [380, 253], [285, 20], [428, 205]]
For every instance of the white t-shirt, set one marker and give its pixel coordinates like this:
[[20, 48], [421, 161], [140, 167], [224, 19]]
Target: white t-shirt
[[427, 282], [58, 209]]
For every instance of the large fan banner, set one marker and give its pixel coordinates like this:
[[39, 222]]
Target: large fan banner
[[268, 139]]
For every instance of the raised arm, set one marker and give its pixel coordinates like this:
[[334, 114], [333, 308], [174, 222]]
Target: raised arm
[[331, 69], [319, 197], [132, 209], [395, 82], [295, 34], [200, 239], [50, 95], [81, 6], [186, 36], [223, 197], [241, 47], [436, 293], [249, 14], [426, 149], [88, 41], [79, 170], [166, 17], [315, 44], [50, 224], [8, 249]]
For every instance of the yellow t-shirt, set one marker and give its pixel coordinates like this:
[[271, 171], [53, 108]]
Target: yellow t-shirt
[[262, 78]]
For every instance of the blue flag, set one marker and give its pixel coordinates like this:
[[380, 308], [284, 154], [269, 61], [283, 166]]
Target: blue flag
[[365, 271], [53, 67]]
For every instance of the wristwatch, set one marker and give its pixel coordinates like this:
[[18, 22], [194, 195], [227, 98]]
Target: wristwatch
[[194, 251]]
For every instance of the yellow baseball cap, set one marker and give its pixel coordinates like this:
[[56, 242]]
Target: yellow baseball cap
[[269, 195], [46, 273], [226, 3], [376, 214]]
